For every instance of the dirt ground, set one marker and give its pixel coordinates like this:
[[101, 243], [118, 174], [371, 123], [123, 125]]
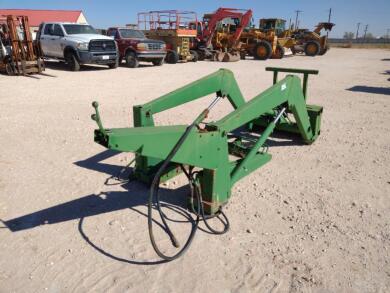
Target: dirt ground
[[314, 219]]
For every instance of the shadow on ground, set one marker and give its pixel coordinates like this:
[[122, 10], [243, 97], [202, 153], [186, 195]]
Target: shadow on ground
[[55, 65], [136, 195], [370, 89], [141, 65]]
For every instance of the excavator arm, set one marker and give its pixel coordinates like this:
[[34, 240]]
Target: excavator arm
[[245, 20], [220, 15]]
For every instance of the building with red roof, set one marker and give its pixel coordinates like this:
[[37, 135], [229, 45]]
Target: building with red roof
[[36, 17]]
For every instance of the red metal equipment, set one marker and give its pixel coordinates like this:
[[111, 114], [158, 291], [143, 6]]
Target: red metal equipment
[[225, 44]]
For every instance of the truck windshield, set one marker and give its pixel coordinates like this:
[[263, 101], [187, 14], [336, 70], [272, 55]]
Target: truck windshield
[[76, 29], [129, 33]]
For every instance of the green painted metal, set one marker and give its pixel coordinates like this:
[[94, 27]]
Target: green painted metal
[[221, 82], [210, 148], [305, 73], [307, 117]]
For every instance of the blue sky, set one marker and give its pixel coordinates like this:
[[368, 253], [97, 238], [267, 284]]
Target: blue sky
[[346, 14]]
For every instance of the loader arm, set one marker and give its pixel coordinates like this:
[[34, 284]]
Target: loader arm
[[222, 82], [323, 25], [221, 150]]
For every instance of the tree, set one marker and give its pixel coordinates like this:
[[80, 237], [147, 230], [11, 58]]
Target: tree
[[370, 36], [349, 35]]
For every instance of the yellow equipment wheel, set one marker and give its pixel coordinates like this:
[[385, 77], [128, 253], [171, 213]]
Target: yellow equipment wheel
[[262, 50], [312, 48]]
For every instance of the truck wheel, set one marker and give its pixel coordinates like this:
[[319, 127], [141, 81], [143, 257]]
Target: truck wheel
[[195, 56], [9, 70], [172, 57], [312, 48], [279, 52], [131, 60], [71, 60], [242, 55], [262, 50], [114, 65], [201, 55], [293, 51], [158, 62]]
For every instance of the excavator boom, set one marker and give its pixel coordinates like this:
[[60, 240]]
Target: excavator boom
[[219, 15]]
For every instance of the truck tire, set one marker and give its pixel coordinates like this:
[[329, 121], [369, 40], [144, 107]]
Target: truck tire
[[114, 65], [172, 57], [262, 50], [71, 60], [293, 50], [8, 69], [201, 55], [158, 62], [279, 52], [312, 48], [195, 56], [131, 60]]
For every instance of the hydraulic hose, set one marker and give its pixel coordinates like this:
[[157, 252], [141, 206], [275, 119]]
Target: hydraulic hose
[[194, 191]]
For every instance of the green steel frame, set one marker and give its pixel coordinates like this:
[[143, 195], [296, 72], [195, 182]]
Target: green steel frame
[[209, 148]]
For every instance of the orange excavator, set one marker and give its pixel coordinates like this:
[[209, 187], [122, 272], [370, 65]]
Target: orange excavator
[[219, 33]]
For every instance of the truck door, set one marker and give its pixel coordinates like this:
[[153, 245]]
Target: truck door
[[45, 37], [56, 41]]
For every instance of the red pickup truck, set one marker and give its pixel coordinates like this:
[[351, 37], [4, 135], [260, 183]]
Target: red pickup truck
[[134, 47]]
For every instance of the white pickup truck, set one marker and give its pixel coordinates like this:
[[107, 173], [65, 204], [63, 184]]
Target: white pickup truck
[[77, 44]]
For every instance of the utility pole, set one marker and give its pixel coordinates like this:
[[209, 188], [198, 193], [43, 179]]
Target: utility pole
[[365, 32], [357, 32], [296, 18], [330, 15]]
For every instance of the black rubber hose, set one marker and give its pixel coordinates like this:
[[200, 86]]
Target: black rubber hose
[[154, 191], [194, 191]]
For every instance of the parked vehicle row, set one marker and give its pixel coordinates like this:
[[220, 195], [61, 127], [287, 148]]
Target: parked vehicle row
[[169, 36], [78, 44]]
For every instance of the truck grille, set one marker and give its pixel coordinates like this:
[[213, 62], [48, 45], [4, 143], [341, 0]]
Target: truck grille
[[155, 46], [104, 45]]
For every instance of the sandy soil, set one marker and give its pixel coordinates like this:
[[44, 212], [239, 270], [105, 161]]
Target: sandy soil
[[314, 219]]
